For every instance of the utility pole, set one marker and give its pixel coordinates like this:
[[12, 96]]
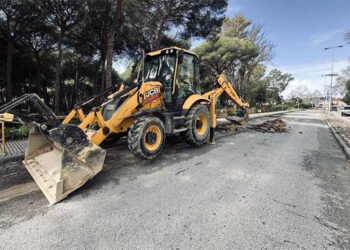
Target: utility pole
[[324, 92], [332, 74]]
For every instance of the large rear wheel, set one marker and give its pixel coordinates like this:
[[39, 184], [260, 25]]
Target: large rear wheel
[[198, 125], [146, 137]]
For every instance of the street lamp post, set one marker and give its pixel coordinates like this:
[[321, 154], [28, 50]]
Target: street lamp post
[[325, 99], [331, 90], [332, 74]]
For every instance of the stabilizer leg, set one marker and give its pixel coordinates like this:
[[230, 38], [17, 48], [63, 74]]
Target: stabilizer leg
[[212, 136]]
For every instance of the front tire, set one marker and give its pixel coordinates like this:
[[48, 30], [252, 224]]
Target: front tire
[[146, 137], [198, 126]]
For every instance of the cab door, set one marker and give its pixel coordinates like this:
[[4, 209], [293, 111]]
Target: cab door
[[186, 82]]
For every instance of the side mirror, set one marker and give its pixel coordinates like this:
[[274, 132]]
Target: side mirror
[[180, 57]]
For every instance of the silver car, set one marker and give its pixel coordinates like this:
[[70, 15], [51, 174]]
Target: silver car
[[345, 111]]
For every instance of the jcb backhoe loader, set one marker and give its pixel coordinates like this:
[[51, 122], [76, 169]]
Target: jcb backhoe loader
[[165, 100]]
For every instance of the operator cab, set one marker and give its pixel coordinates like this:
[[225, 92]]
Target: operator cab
[[177, 70]]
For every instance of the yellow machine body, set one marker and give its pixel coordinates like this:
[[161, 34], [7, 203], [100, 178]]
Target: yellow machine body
[[165, 100]]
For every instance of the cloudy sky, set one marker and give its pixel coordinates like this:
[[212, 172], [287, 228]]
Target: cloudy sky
[[301, 29]]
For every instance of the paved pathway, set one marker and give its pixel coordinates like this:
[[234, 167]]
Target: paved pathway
[[250, 190], [15, 148]]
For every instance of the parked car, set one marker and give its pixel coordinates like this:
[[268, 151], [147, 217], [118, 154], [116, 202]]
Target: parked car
[[345, 111], [334, 108]]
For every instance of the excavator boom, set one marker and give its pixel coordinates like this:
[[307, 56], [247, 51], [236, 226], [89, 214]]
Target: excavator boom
[[223, 86]]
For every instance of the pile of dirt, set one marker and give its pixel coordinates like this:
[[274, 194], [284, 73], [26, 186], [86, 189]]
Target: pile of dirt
[[271, 126]]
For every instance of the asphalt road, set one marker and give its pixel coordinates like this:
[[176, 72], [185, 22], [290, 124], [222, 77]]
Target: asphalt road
[[251, 190]]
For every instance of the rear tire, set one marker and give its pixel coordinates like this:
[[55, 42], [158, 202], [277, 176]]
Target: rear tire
[[198, 126], [146, 137]]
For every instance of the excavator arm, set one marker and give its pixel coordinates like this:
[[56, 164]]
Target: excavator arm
[[78, 112], [11, 112], [223, 86]]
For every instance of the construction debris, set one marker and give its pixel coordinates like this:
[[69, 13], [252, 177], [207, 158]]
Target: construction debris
[[271, 126], [226, 127], [238, 120]]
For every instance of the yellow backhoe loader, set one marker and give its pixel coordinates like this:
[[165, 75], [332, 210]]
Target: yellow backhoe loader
[[165, 99]]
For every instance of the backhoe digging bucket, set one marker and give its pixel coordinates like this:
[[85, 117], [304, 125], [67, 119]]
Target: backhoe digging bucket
[[242, 119], [62, 160]]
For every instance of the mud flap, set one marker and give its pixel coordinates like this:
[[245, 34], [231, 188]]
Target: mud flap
[[62, 160]]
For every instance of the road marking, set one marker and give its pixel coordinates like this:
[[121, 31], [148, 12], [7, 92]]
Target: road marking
[[18, 190]]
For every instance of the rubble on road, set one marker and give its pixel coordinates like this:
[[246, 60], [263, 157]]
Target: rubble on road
[[272, 126], [237, 120], [226, 127]]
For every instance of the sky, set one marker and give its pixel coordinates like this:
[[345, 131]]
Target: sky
[[301, 29]]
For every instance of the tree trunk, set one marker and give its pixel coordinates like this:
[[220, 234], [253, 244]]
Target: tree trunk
[[39, 87], [159, 34], [58, 74], [103, 73], [9, 87], [158, 38], [97, 79], [115, 28], [77, 92]]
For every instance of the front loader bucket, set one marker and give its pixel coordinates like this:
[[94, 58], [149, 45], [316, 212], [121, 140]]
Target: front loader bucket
[[62, 160]]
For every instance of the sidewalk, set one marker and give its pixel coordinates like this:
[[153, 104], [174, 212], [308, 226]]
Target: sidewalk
[[343, 118], [14, 149], [257, 115], [340, 128]]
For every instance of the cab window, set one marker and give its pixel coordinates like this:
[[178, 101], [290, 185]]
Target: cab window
[[160, 68], [185, 81]]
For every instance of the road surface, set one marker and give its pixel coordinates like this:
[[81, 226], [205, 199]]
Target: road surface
[[250, 190]]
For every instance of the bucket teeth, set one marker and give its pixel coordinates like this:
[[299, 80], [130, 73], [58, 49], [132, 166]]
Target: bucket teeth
[[59, 168]]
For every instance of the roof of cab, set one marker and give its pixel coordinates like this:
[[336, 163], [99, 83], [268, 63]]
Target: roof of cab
[[157, 52]]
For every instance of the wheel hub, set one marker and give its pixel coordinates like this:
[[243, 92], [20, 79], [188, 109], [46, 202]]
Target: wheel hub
[[199, 124], [151, 138]]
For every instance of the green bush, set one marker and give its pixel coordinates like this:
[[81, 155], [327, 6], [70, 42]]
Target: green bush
[[253, 110], [274, 108], [16, 133], [306, 106]]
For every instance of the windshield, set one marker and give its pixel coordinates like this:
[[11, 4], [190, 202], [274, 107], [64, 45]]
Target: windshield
[[159, 68], [347, 107]]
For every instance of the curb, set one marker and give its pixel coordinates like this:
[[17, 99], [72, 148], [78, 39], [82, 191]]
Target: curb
[[11, 158], [343, 142], [274, 113], [223, 120]]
